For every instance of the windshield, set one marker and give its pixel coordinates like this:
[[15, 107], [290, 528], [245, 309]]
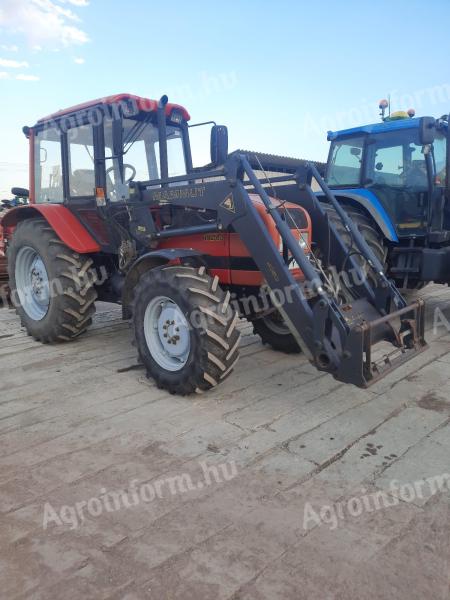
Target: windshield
[[140, 144], [344, 166]]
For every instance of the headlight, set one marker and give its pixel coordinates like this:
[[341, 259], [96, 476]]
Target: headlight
[[304, 240], [304, 244]]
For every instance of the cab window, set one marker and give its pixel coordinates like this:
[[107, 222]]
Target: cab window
[[440, 159], [345, 163], [396, 159], [175, 153], [48, 166], [141, 155], [139, 139], [81, 161], [388, 168]]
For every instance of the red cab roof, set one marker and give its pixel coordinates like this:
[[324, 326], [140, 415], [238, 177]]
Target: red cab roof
[[144, 104]]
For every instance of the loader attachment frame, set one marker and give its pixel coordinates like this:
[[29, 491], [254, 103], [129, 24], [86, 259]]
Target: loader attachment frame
[[336, 338]]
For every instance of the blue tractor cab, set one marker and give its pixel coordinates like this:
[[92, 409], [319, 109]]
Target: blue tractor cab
[[391, 177]]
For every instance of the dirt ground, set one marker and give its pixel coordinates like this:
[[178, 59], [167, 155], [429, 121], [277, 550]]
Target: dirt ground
[[279, 484]]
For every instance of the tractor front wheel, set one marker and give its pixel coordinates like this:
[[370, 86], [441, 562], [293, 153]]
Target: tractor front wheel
[[52, 287], [273, 331], [185, 329]]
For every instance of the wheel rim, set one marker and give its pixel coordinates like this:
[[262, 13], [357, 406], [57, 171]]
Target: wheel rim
[[32, 283], [276, 324], [167, 333]]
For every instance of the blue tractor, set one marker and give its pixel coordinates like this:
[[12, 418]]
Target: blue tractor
[[392, 179]]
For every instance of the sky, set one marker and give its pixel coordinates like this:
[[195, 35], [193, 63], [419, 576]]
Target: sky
[[278, 74]]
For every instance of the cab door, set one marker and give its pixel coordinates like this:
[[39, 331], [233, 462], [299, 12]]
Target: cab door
[[398, 177], [84, 166]]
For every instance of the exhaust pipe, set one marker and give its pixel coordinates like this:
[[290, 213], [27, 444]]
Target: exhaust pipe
[[162, 134]]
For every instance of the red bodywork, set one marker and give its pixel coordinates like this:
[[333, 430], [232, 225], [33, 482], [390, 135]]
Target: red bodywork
[[142, 104], [66, 225], [228, 248]]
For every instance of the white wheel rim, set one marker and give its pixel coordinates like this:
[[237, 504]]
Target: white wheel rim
[[32, 283], [167, 333]]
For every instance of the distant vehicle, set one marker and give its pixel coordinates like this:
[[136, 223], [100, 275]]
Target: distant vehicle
[[20, 198]]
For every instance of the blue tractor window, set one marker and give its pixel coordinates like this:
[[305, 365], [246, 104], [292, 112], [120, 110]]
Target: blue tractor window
[[393, 160], [389, 165], [344, 166], [440, 159]]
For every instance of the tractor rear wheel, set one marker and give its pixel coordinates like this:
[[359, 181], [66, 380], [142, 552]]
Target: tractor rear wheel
[[52, 287], [273, 331], [185, 329]]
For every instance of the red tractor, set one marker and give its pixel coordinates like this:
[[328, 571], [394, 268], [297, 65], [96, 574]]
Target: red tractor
[[119, 213]]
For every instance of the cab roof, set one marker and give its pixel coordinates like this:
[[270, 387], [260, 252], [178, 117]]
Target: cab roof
[[144, 104], [375, 128]]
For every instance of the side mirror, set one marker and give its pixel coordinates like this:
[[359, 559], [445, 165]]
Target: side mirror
[[219, 144], [20, 192], [427, 130]]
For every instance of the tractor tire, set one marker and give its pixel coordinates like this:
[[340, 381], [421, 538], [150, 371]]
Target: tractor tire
[[185, 329], [367, 228], [273, 331], [52, 287]]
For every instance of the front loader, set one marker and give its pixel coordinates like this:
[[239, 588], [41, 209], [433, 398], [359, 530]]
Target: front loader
[[118, 212]]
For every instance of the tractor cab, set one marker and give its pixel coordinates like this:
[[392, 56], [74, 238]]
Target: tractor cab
[[94, 156], [97, 149]]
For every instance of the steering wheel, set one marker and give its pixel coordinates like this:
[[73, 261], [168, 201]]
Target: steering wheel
[[125, 167]]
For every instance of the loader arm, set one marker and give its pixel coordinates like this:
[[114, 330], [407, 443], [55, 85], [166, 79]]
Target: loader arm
[[337, 339]]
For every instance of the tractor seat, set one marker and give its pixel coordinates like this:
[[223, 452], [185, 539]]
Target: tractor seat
[[82, 182]]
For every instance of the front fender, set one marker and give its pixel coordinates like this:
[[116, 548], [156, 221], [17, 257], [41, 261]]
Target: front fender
[[150, 260], [66, 226]]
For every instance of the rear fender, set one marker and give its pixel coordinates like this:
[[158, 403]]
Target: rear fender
[[148, 261], [66, 226], [370, 204]]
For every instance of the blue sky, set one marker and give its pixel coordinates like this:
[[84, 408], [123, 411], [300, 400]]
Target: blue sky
[[279, 74]]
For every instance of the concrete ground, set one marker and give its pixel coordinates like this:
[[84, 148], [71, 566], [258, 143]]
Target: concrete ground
[[299, 514]]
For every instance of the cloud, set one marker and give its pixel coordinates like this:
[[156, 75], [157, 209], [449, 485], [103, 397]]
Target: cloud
[[79, 61], [4, 75], [12, 48], [75, 2], [43, 22], [23, 77], [13, 64]]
